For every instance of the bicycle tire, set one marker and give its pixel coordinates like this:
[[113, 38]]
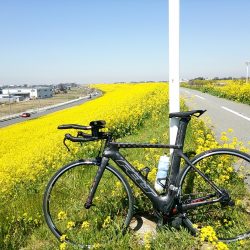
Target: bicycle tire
[[228, 168], [66, 194]]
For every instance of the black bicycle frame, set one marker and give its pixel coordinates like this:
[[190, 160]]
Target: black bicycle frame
[[160, 203], [163, 203]]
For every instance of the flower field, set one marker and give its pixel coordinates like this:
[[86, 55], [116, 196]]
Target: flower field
[[30, 152], [29, 149], [235, 90]]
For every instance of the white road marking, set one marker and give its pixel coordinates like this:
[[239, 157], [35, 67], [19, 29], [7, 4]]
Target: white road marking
[[200, 97], [236, 113]]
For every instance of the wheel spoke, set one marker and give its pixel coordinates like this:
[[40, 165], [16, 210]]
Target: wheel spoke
[[228, 170], [67, 194]]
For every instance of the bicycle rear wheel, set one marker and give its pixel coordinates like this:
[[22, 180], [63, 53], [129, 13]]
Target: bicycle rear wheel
[[66, 194], [229, 170]]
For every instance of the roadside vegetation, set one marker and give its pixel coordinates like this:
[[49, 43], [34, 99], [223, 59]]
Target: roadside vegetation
[[235, 90], [59, 97], [31, 152]]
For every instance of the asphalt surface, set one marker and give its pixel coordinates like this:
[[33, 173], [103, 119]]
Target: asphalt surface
[[222, 113], [47, 110]]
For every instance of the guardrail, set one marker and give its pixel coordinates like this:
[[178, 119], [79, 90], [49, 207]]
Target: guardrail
[[39, 110]]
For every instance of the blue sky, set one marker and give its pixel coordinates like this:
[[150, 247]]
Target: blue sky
[[90, 41]]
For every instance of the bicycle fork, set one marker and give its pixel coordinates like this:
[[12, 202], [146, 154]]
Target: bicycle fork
[[96, 181]]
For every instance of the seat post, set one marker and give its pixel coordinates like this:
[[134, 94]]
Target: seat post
[[181, 133], [175, 158]]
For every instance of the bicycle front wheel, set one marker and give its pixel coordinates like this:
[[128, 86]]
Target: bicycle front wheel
[[66, 195], [229, 170]]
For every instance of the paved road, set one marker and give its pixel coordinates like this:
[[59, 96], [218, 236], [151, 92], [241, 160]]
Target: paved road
[[223, 114], [38, 113]]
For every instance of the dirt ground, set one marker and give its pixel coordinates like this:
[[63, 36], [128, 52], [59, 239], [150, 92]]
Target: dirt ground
[[13, 108]]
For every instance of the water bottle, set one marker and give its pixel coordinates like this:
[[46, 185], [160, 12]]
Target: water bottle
[[162, 172]]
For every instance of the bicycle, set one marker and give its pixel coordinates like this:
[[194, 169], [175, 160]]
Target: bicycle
[[86, 197]]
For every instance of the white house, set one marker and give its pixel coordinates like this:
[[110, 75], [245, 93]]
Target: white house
[[9, 98], [34, 93]]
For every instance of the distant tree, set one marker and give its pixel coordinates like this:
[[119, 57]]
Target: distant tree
[[199, 78], [62, 88], [199, 81], [73, 85]]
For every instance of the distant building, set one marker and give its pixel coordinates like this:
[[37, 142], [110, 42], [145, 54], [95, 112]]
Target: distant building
[[10, 98], [30, 93]]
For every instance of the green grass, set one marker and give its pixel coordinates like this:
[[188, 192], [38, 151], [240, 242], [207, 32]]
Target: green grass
[[155, 129], [27, 230]]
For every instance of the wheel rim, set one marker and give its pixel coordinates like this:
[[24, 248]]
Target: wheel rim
[[229, 170], [64, 205]]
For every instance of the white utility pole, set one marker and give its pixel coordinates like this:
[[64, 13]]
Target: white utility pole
[[174, 65], [247, 63]]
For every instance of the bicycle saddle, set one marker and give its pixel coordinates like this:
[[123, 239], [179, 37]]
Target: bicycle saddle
[[186, 114]]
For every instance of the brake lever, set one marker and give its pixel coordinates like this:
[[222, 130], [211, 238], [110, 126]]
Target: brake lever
[[64, 142], [79, 134]]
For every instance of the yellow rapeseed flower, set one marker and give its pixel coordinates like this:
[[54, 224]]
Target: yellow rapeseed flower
[[70, 225], [24, 146], [62, 215], [63, 246], [208, 233], [221, 246], [63, 238], [106, 222], [85, 225]]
